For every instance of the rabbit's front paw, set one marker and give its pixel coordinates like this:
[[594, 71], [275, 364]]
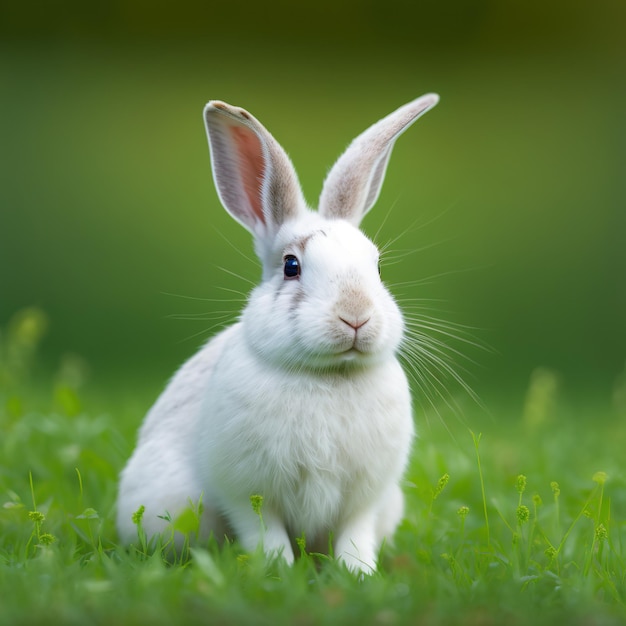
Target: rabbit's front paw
[[276, 544], [357, 552]]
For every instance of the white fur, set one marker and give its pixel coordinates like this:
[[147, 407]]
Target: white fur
[[303, 400]]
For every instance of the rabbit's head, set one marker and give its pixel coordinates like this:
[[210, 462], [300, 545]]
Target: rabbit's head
[[321, 304]]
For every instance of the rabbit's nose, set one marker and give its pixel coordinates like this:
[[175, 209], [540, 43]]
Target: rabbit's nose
[[355, 323]]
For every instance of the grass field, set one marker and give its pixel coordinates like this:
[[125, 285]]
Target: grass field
[[510, 194], [509, 521]]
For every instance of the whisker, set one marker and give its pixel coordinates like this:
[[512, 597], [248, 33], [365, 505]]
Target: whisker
[[414, 226], [420, 304], [184, 297], [433, 277], [382, 224], [443, 350], [426, 387], [221, 318], [254, 261], [430, 355], [239, 276], [202, 317], [201, 299], [433, 388], [235, 291], [401, 254], [205, 331], [451, 331], [441, 360]]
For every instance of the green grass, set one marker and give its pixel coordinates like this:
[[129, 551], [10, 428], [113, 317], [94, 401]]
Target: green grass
[[511, 522]]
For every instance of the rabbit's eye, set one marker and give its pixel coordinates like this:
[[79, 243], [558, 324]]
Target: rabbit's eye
[[292, 267]]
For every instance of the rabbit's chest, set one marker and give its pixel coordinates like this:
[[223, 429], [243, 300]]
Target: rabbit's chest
[[313, 469], [312, 450]]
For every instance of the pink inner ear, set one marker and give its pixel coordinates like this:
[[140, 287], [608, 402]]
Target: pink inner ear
[[251, 167]]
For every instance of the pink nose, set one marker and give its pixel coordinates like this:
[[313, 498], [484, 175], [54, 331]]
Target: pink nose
[[356, 324]]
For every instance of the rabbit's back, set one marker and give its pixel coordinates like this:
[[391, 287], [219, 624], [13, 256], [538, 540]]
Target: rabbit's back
[[158, 475]]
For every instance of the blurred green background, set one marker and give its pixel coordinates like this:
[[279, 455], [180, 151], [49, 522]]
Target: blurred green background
[[513, 187]]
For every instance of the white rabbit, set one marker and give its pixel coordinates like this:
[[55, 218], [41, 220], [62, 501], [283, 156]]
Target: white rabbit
[[303, 400]]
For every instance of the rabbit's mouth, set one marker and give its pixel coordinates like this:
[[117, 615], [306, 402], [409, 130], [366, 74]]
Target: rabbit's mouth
[[349, 348], [353, 356]]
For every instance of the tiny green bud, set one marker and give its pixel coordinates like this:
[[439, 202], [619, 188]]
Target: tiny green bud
[[600, 478], [36, 516], [441, 485], [523, 514], [520, 483], [46, 539], [301, 543], [138, 515], [463, 511], [556, 490], [257, 503], [601, 532], [537, 501], [88, 514], [551, 552]]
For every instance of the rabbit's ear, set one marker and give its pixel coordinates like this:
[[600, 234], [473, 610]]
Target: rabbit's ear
[[353, 184], [255, 179]]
